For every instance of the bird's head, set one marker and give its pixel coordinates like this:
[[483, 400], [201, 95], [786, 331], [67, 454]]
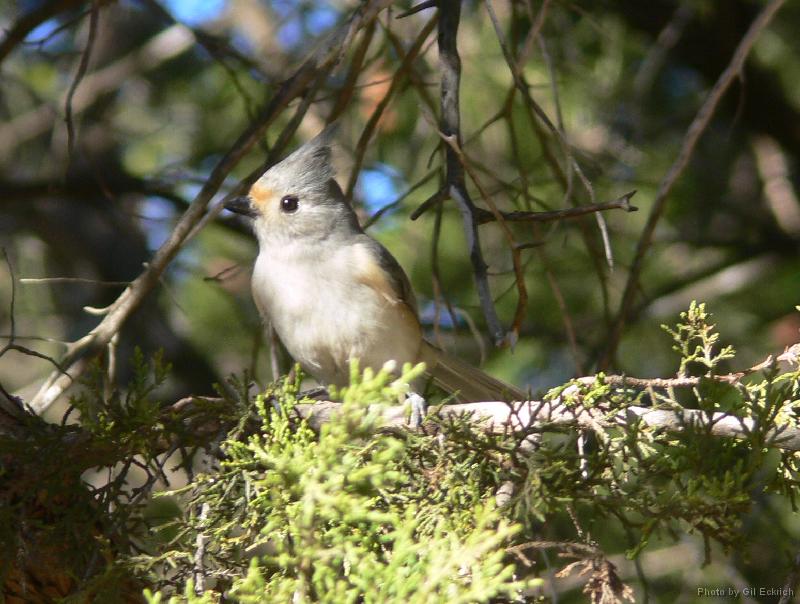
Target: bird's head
[[298, 197]]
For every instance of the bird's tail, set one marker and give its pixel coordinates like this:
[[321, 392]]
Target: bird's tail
[[468, 383]]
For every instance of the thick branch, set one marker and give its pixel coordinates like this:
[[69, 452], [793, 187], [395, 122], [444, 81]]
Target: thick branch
[[500, 417]]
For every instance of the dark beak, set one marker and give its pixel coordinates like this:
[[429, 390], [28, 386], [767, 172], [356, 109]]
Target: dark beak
[[241, 205]]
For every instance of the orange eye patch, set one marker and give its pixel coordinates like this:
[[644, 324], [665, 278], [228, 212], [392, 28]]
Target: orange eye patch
[[261, 196]]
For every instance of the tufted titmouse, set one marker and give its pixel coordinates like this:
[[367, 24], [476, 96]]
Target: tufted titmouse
[[333, 293]]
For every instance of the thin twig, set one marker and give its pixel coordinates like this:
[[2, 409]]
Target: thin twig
[[524, 88], [539, 121], [83, 66], [790, 355], [393, 204], [418, 8], [432, 201], [692, 136], [450, 125], [398, 78], [12, 336], [516, 253], [355, 70], [572, 338], [12, 304], [30, 21], [436, 280], [164, 45], [46, 280], [657, 54], [620, 203]]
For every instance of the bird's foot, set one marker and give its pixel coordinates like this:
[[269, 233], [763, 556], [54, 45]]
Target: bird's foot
[[318, 393], [419, 408]]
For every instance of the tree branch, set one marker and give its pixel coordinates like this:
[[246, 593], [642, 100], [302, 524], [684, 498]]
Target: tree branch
[[499, 417], [30, 21], [620, 203], [450, 125], [83, 66]]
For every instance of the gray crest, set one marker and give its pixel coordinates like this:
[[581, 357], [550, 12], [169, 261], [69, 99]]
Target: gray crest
[[308, 169]]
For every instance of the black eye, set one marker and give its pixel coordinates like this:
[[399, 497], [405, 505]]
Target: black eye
[[289, 203]]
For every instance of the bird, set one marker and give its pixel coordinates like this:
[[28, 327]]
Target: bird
[[331, 292]]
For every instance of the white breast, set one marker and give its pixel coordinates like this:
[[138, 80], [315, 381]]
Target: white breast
[[325, 316]]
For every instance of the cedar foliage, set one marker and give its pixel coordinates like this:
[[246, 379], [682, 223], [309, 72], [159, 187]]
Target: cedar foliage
[[355, 512]]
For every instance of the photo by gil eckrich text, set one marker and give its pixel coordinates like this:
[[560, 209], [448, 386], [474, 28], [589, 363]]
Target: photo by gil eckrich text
[[745, 592]]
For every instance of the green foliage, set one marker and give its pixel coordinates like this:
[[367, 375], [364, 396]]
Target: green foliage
[[305, 504], [334, 516], [123, 418], [656, 481], [695, 340], [349, 512]]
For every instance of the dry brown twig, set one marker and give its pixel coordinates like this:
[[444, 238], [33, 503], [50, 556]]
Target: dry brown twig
[[603, 585], [542, 125], [398, 78]]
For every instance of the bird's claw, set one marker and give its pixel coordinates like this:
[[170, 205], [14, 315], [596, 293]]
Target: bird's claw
[[419, 408]]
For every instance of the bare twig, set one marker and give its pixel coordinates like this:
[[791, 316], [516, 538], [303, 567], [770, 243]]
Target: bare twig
[[667, 38], [83, 66], [82, 280], [432, 201], [12, 336], [163, 46], [524, 89], [561, 302], [541, 125], [392, 205], [436, 280], [30, 21], [696, 129], [516, 252], [790, 355], [372, 123], [537, 22], [621, 203], [355, 70], [418, 8], [450, 125]]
